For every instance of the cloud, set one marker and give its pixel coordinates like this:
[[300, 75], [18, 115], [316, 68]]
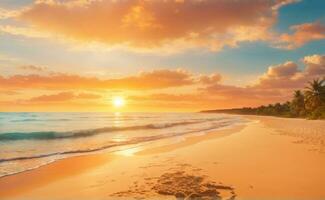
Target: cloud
[[212, 97], [165, 87], [159, 25], [315, 64], [61, 97], [210, 79], [8, 92], [25, 31], [88, 96], [302, 34], [156, 79], [234, 93], [64, 96], [285, 75], [154, 24], [286, 69], [275, 85], [32, 68], [6, 14], [288, 76], [165, 97]]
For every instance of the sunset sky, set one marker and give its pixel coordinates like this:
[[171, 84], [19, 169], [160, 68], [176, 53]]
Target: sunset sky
[[159, 55]]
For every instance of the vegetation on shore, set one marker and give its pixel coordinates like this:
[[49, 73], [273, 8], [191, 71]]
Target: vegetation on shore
[[309, 103]]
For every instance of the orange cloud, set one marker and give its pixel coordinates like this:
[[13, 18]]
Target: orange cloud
[[63, 96], [315, 64], [242, 94], [275, 85], [8, 92], [211, 97], [87, 96], [288, 76], [210, 79], [156, 79], [32, 68], [150, 23], [205, 91], [303, 34], [287, 69], [164, 97]]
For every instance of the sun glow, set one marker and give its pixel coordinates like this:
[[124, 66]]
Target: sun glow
[[118, 101]]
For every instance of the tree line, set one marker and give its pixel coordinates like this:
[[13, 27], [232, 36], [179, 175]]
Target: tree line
[[308, 103]]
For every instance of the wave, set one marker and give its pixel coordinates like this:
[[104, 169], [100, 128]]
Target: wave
[[39, 120], [49, 135], [118, 144]]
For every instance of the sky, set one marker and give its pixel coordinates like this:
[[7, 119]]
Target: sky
[[158, 55]]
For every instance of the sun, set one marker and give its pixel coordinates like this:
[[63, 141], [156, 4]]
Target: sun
[[118, 101]]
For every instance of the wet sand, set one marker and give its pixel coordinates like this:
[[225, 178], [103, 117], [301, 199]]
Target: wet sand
[[270, 158]]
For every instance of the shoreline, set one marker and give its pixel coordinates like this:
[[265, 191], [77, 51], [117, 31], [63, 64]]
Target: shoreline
[[242, 158], [8, 181]]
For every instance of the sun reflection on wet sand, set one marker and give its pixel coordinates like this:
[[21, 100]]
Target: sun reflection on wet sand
[[129, 152]]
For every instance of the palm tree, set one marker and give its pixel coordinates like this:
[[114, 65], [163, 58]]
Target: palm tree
[[315, 94], [298, 103]]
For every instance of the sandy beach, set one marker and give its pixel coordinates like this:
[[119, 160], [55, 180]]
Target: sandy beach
[[268, 158]]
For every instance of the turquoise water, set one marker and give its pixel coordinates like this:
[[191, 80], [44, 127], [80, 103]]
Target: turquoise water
[[30, 140]]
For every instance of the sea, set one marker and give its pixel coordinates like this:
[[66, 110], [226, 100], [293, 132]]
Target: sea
[[29, 140]]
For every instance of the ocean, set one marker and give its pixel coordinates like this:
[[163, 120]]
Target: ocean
[[29, 140]]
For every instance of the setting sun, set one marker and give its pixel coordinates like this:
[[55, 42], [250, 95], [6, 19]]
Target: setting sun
[[118, 102]]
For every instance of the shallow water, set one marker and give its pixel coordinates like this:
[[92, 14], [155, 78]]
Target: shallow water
[[30, 140]]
